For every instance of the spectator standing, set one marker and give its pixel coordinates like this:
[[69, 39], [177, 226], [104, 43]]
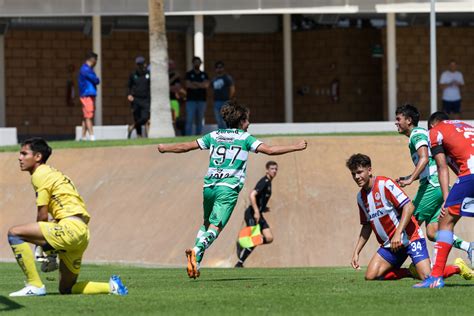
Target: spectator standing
[[197, 82], [139, 96], [88, 82], [224, 90], [451, 81]]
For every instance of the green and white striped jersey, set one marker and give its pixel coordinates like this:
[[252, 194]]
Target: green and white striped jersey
[[229, 151], [419, 137]]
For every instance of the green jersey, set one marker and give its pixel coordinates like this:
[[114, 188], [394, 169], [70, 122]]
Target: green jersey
[[229, 151], [418, 138]]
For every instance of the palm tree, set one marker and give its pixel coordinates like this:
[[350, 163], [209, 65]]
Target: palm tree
[[160, 119]]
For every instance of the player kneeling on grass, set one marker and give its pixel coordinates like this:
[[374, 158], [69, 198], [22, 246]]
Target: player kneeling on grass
[[385, 209], [67, 235], [229, 150]]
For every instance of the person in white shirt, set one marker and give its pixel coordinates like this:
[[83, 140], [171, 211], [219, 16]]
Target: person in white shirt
[[451, 81]]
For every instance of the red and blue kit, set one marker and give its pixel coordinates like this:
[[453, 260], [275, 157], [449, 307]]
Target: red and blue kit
[[381, 207], [456, 140]]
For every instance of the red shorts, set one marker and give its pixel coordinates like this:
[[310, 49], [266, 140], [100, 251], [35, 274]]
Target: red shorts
[[88, 107]]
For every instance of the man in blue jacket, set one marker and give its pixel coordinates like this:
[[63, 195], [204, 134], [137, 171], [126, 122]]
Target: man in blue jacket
[[88, 82]]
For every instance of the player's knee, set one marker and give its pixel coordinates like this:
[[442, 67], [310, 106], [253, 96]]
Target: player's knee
[[13, 238], [371, 276], [268, 239], [431, 236]]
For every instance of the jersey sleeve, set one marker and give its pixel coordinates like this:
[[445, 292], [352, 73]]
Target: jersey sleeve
[[42, 190], [362, 213], [418, 140], [261, 185], [436, 141], [204, 142], [252, 143], [395, 194]]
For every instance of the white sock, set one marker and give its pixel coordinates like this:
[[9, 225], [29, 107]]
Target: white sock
[[92, 138]]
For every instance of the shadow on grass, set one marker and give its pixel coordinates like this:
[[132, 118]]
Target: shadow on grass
[[458, 285], [229, 279], [7, 304]]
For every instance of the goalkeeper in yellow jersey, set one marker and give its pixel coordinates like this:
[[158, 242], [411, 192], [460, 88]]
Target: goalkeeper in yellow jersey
[[67, 235]]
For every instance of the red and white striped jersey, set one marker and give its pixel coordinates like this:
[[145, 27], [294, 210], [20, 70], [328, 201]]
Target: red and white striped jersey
[[382, 209]]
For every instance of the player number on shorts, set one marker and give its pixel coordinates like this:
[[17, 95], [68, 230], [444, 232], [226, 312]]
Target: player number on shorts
[[416, 246], [221, 152]]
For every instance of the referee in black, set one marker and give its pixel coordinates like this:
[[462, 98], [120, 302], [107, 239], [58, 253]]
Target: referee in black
[[259, 198], [139, 96]]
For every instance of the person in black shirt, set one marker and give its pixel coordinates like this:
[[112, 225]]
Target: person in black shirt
[[139, 96], [224, 90], [259, 198], [197, 82]]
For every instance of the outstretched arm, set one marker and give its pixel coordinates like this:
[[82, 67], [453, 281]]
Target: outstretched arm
[[364, 235], [283, 149], [178, 148]]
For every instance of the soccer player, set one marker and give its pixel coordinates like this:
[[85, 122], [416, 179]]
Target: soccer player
[[429, 198], [67, 234], [259, 198], [452, 143], [385, 209], [229, 150]]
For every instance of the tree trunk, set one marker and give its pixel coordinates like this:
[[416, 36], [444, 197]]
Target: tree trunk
[[161, 124]]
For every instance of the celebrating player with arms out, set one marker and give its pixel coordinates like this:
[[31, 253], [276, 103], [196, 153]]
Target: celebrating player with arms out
[[67, 235], [259, 198], [229, 149], [385, 209], [429, 198], [452, 143]]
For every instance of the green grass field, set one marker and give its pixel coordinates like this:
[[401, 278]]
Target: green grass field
[[315, 291], [154, 141]]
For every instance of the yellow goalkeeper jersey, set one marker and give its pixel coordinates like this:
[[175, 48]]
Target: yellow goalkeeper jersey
[[57, 191]]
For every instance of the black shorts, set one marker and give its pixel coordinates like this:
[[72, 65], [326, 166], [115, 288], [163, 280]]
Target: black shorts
[[452, 106], [250, 220]]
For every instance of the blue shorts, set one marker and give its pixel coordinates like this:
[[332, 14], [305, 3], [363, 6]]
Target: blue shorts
[[452, 106], [461, 197], [416, 250]]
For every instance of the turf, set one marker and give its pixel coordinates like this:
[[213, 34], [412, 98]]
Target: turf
[[315, 291], [153, 141]]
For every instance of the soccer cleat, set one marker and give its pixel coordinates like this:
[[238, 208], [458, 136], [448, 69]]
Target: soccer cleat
[[116, 286], [466, 272], [470, 253], [30, 290], [413, 271], [192, 269], [431, 283], [239, 265]]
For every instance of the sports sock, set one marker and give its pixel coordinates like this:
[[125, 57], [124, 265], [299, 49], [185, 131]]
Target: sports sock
[[397, 274], [460, 244], [451, 270], [25, 258], [245, 253], [201, 231], [89, 287], [442, 248], [204, 242]]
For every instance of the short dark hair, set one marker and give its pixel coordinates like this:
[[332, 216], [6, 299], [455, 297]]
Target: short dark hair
[[196, 58], [409, 111], [39, 145], [358, 160], [270, 163], [219, 63], [437, 117], [233, 113], [90, 55]]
